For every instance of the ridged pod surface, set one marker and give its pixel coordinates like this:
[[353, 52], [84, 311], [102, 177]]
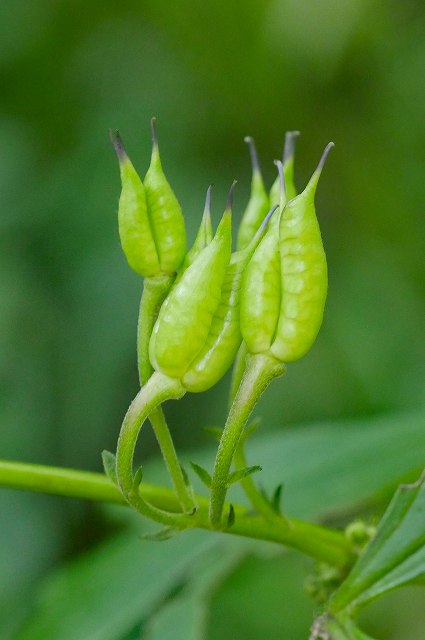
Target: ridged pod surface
[[165, 213], [260, 295], [185, 318], [304, 277], [285, 284], [136, 235], [224, 338]]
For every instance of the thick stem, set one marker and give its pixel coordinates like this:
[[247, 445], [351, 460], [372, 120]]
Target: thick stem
[[158, 389], [237, 372], [155, 291], [259, 372], [313, 540]]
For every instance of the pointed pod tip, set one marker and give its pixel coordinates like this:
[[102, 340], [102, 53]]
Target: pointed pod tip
[[118, 145], [155, 157], [289, 147], [282, 185], [312, 184], [324, 156], [268, 216], [253, 153], [229, 202], [207, 207], [153, 130]]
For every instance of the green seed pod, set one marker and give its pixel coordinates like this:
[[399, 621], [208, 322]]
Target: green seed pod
[[260, 296], [224, 338], [288, 169], [136, 235], [285, 285], [151, 224], [165, 213], [258, 204], [185, 318]]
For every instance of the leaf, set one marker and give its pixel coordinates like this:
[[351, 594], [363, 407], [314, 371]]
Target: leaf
[[277, 498], [137, 478], [109, 590], [185, 476], [231, 517], [202, 474], [395, 557], [103, 594], [248, 431], [214, 432], [240, 474], [185, 617], [110, 466], [162, 534], [331, 467]]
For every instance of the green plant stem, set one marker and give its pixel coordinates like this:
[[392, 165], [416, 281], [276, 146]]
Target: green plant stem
[[259, 372], [237, 372], [256, 498], [155, 291], [158, 389], [313, 540]]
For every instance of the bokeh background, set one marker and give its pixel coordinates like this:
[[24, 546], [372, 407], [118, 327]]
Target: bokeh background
[[350, 71]]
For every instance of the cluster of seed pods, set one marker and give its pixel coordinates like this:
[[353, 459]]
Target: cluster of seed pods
[[269, 293], [260, 306]]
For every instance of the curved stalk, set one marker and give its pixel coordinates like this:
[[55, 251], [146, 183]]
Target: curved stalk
[[155, 290], [259, 372], [158, 389]]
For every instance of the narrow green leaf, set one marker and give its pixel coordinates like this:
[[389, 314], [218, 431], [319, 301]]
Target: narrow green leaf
[[395, 557], [249, 430], [185, 617], [138, 477], [214, 432], [110, 466], [231, 517], [202, 474], [162, 534], [105, 593], [185, 476], [277, 498], [240, 474]]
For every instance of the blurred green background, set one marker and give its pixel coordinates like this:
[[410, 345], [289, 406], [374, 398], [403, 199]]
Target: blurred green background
[[212, 72]]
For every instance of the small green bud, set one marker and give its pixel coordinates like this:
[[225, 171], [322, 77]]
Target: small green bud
[[288, 169], [285, 284], [258, 204]]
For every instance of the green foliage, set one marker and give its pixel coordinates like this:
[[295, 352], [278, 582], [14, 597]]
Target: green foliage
[[157, 581], [347, 70], [395, 557]]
